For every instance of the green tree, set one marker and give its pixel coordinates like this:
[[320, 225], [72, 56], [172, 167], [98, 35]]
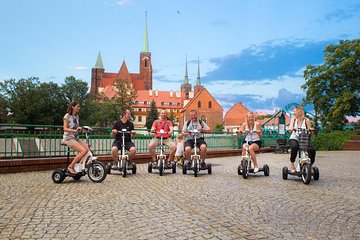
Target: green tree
[[4, 110], [109, 109], [152, 115], [21, 99], [219, 127], [333, 87], [172, 117]]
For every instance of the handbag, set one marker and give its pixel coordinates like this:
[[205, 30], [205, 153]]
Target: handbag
[[304, 140]]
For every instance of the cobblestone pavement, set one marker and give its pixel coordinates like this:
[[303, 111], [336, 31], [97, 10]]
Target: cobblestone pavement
[[218, 206]]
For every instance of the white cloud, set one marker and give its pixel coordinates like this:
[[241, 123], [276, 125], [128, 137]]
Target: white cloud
[[79, 68], [124, 2]]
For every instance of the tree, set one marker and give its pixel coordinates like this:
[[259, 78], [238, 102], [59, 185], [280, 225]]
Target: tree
[[219, 127], [333, 87], [172, 117], [152, 115], [110, 109]]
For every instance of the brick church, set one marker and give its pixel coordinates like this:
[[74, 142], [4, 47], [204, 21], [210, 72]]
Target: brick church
[[180, 102]]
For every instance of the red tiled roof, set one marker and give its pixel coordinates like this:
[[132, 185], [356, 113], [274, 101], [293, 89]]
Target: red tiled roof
[[162, 99]]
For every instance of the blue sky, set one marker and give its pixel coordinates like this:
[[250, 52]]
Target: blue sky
[[250, 51]]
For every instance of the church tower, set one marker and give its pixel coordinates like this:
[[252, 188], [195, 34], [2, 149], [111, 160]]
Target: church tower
[[198, 86], [186, 87], [96, 75], [145, 60]]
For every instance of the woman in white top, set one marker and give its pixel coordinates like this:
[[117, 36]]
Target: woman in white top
[[253, 134], [70, 137], [299, 121]]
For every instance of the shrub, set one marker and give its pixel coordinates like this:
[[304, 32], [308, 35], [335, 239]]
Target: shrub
[[332, 141]]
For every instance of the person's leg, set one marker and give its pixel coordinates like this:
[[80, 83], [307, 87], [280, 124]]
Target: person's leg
[[80, 147], [294, 146], [312, 154], [153, 144], [172, 146], [189, 144], [114, 150], [252, 149], [132, 150]]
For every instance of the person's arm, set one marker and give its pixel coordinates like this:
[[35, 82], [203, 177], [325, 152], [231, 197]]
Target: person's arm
[[308, 124], [114, 130], [171, 128], [258, 130], [291, 127], [242, 129], [185, 131], [205, 128], [132, 130], [153, 127]]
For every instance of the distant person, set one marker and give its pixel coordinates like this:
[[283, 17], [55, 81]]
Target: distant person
[[71, 134], [253, 134], [162, 124], [299, 121], [123, 123], [188, 130]]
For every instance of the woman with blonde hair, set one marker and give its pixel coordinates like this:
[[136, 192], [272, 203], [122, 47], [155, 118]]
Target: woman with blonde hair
[[299, 121], [253, 134]]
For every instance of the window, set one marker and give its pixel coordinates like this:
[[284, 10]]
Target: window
[[210, 104], [139, 119], [140, 109], [145, 63], [199, 104]]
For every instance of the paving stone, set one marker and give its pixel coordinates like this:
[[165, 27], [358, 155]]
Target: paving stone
[[176, 206]]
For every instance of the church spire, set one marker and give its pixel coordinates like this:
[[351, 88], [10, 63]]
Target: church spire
[[99, 63], [186, 79], [146, 41], [198, 83]]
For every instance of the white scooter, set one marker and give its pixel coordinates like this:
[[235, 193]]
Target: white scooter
[[247, 164], [89, 165], [303, 167], [123, 163], [195, 163], [161, 161]]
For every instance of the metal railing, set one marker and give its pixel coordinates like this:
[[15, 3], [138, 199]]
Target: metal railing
[[19, 141]]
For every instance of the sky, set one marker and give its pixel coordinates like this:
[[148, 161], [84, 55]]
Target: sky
[[250, 51]]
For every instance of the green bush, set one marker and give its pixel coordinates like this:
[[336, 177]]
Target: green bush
[[332, 141]]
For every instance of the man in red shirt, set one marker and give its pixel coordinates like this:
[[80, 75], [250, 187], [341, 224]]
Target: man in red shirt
[[167, 126]]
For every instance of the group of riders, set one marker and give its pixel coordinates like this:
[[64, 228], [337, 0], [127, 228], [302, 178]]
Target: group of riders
[[250, 129]]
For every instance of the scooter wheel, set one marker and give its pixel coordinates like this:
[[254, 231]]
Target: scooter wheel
[[244, 169], [316, 173], [133, 168], [209, 168], [195, 169], [306, 173], [285, 173], [108, 168], [184, 169], [266, 170], [149, 167], [239, 170], [58, 176], [97, 171], [161, 168], [173, 166], [124, 170]]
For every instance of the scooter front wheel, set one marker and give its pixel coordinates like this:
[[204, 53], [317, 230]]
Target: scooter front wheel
[[97, 171], [306, 173], [244, 168]]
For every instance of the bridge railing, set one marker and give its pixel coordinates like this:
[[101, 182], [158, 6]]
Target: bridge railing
[[19, 141]]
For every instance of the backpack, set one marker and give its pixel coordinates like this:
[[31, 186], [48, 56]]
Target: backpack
[[188, 123]]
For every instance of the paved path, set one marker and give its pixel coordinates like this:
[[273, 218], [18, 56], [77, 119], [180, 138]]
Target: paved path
[[218, 206]]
